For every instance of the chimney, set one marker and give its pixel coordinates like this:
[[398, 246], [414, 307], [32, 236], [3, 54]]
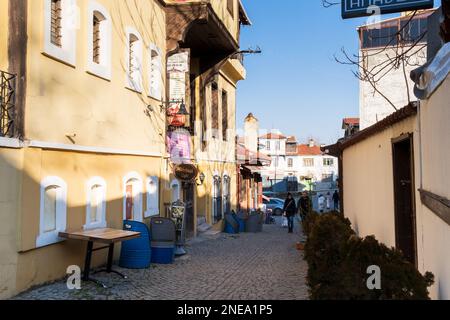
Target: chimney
[[312, 144], [251, 133]]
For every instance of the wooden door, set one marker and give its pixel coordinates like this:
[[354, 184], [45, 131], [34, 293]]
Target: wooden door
[[129, 202], [404, 197]]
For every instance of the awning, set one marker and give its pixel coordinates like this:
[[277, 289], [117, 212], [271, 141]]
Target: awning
[[254, 169]]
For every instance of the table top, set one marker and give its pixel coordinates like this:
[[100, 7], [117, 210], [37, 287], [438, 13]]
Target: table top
[[103, 235]]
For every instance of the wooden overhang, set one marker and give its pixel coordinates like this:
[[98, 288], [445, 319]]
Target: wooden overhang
[[195, 26]]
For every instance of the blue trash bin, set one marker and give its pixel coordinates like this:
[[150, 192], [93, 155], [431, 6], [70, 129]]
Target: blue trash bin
[[241, 219], [231, 225], [136, 253]]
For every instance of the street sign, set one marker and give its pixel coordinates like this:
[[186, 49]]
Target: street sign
[[364, 8]]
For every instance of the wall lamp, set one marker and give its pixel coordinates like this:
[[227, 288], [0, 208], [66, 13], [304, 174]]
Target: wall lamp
[[202, 179], [164, 106]]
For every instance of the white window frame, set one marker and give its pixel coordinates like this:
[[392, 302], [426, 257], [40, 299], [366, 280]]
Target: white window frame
[[155, 90], [152, 185], [102, 69], [137, 177], [52, 237], [172, 184], [134, 83], [95, 181], [69, 24]]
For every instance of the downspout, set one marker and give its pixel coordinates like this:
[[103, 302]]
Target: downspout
[[419, 124]]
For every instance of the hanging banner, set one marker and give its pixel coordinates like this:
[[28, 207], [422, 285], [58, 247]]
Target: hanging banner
[[179, 146], [364, 8], [178, 71]]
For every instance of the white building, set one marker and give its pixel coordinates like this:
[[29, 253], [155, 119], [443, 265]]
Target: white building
[[304, 163], [376, 42]]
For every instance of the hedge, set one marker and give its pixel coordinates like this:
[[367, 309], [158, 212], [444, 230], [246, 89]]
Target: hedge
[[338, 262]]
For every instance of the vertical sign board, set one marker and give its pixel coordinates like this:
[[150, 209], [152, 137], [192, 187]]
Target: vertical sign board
[[178, 75], [364, 8]]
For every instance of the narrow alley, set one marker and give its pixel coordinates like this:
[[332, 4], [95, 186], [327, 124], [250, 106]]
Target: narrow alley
[[262, 266]]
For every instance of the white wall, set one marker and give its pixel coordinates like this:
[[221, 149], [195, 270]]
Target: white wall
[[373, 107], [433, 232]]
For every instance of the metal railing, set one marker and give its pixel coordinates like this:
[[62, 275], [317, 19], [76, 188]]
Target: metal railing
[[7, 104]]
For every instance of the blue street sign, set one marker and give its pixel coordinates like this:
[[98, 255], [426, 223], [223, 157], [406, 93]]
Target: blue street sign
[[363, 8]]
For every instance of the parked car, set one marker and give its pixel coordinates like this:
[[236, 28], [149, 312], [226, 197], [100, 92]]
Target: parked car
[[274, 204]]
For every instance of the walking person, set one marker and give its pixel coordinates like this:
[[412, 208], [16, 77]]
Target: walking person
[[289, 210], [322, 204], [336, 199], [328, 197], [304, 205]]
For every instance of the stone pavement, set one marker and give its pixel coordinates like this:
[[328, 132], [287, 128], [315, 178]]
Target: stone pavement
[[263, 266]]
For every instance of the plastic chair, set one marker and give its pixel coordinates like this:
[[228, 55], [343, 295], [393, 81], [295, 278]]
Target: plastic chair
[[163, 240]]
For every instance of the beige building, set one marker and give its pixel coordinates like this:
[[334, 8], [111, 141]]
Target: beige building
[[85, 102], [395, 177]]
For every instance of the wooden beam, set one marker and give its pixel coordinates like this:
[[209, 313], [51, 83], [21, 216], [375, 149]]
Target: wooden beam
[[17, 58], [437, 204]]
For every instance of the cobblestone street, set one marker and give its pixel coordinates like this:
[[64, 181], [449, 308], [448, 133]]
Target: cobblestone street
[[243, 267]]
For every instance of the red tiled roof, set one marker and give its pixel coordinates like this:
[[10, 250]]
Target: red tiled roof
[[291, 139], [273, 136], [398, 116], [244, 155], [353, 121], [306, 150]]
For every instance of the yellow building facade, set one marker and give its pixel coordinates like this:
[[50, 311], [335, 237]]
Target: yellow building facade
[[85, 144]]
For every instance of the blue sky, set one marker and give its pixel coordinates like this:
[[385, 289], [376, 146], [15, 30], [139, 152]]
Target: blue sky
[[295, 85]]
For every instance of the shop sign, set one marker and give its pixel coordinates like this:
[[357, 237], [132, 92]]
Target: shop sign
[[364, 8], [186, 172], [177, 69]]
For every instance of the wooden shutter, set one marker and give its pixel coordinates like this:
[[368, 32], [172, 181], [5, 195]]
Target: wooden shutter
[[96, 39], [56, 23], [224, 115]]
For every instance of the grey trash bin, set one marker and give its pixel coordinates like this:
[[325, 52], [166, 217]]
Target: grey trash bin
[[163, 232], [254, 223]]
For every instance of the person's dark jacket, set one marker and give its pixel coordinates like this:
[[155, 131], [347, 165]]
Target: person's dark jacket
[[289, 207], [336, 197], [304, 205]]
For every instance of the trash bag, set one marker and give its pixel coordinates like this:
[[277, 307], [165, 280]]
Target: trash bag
[[285, 223]]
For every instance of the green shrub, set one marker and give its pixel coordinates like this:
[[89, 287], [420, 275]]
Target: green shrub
[[400, 280], [338, 262], [324, 250]]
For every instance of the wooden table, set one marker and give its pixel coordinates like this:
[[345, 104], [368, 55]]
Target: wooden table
[[104, 236]]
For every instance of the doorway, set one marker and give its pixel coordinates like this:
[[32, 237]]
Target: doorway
[[189, 198], [404, 198]]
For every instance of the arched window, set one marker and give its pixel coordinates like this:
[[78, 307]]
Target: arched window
[[53, 211], [226, 194], [155, 76], [60, 19], [132, 202], [152, 197], [134, 59], [96, 204], [217, 199], [99, 41]]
